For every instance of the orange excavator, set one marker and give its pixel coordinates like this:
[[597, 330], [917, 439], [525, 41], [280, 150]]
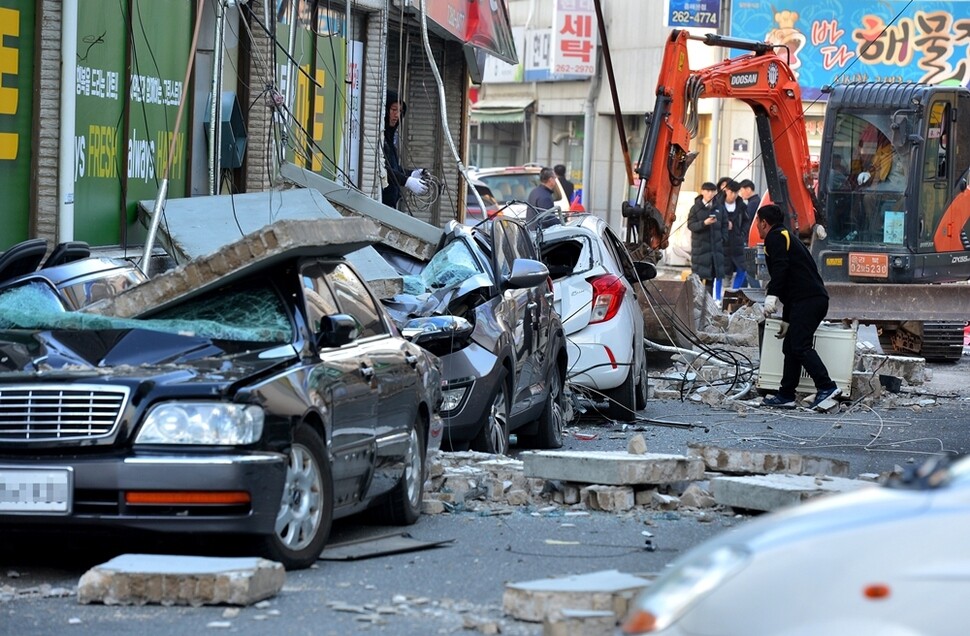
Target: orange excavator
[[886, 212]]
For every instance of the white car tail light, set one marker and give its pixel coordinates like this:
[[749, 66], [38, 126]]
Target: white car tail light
[[608, 291]]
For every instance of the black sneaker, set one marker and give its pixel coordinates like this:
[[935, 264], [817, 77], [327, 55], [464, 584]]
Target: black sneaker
[[825, 394], [779, 401]]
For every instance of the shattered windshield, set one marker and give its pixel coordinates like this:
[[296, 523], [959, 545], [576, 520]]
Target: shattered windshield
[[451, 266], [255, 314], [866, 181]]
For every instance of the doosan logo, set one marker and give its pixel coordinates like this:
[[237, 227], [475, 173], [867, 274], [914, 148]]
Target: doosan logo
[[744, 79]]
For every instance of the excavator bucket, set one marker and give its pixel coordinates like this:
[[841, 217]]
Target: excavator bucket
[[667, 308]]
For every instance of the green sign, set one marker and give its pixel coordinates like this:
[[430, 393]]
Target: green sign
[[99, 140], [16, 113], [318, 94], [128, 88], [162, 37]]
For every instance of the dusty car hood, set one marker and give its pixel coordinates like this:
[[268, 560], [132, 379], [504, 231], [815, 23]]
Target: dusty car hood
[[132, 352]]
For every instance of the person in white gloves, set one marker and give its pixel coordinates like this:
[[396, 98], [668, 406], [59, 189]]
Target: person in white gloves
[[397, 177], [797, 285]]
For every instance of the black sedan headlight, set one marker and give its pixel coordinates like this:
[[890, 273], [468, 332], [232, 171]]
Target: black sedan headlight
[[210, 423]]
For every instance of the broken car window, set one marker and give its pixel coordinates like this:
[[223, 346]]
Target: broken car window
[[254, 314], [450, 267]]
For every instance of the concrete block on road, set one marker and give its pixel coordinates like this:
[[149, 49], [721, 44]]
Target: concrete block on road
[[911, 369], [572, 622], [611, 468], [608, 498], [759, 462], [138, 579], [607, 590], [771, 492]]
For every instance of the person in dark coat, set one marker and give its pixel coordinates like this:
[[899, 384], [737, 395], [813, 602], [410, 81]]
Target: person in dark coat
[[396, 176], [567, 186], [736, 212], [708, 234], [796, 283], [541, 199], [751, 199]]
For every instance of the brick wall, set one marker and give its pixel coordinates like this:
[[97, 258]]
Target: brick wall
[[45, 142]]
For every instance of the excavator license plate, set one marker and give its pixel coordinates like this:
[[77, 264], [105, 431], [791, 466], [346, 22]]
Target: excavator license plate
[[869, 265]]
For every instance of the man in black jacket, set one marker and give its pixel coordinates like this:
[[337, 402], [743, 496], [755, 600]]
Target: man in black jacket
[[796, 283]]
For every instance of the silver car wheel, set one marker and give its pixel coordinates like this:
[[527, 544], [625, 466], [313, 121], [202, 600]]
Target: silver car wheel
[[498, 424], [301, 508], [413, 469], [557, 414]]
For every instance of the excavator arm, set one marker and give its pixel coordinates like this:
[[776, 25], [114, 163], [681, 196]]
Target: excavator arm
[[760, 79]]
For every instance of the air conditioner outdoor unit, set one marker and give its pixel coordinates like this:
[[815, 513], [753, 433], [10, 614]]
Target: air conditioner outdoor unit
[[835, 346]]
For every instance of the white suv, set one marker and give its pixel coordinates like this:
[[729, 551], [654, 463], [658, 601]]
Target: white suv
[[514, 183], [594, 278]]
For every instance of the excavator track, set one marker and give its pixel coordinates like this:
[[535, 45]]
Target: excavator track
[[937, 341]]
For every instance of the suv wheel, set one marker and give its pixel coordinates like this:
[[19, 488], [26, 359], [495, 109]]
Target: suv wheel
[[494, 436], [552, 420]]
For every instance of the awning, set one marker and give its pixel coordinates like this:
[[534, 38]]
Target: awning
[[483, 25], [500, 110]]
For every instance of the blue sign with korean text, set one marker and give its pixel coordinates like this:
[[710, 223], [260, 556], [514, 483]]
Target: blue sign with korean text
[[704, 14], [842, 41]]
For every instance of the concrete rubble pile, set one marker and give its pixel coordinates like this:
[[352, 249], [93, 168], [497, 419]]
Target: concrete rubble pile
[[707, 480]]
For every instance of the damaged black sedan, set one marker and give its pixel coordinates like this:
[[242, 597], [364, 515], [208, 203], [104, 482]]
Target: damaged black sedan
[[264, 406]]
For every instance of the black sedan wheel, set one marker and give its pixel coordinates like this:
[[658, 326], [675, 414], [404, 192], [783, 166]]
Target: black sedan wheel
[[306, 508], [403, 506], [494, 436]]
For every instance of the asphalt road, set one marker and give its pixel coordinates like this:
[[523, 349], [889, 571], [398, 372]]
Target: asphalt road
[[441, 590]]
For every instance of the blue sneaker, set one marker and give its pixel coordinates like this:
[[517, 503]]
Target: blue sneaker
[[825, 394], [779, 401]]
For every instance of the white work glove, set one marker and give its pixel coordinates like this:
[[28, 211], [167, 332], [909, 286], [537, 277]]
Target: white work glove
[[771, 305], [782, 330], [415, 184]]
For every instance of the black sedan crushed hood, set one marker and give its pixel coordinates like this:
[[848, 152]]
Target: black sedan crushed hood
[[132, 352]]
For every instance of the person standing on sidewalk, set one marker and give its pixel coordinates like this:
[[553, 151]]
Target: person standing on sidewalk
[[708, 233], [796, 283]]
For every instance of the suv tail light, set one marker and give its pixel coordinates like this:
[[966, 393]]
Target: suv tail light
[[608, 292]]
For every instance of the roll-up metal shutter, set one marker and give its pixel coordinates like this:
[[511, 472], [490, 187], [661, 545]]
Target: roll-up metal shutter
[[423, 141]]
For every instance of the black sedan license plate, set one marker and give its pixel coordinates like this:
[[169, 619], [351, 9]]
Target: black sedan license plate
[[35, 490]]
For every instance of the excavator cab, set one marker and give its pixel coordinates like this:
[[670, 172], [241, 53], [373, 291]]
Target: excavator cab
[[892, 184]]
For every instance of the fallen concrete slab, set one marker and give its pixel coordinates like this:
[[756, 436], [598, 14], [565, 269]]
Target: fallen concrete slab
[[611, 468], [403, 232], [137, 579], [747, 461], [607, 590], [196, 227], [771, 492], [280, 240], [394, 543]]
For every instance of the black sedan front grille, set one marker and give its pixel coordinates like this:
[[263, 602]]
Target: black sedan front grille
[[44, 413]]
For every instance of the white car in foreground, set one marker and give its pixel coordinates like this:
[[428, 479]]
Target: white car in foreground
[[884, 561], [594, 280]]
